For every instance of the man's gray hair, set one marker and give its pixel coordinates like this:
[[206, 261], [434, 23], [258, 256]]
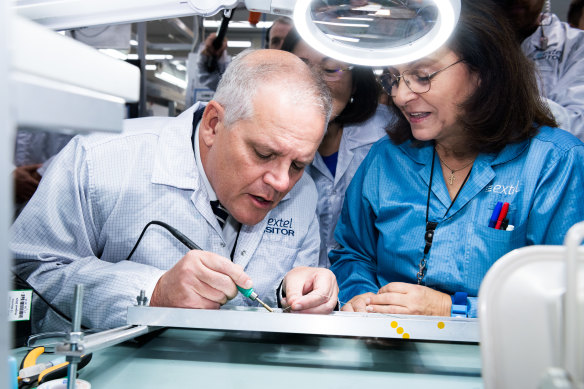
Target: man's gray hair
[[242, 79]]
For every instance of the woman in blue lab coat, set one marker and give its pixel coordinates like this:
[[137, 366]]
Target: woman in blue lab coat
[[415, 232], [356, 123]]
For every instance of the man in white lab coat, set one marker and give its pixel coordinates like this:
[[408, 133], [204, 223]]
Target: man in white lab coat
[[558, 53], [246, 149]]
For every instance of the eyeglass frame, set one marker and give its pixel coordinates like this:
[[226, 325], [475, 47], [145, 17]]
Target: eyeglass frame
[[400, 76]]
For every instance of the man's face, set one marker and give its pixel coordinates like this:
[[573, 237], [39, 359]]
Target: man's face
[[277, 34], [253, 164], [523, 15]]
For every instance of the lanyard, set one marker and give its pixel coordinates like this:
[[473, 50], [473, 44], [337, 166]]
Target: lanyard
[[431, 226]]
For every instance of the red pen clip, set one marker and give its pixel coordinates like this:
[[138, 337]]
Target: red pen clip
[[502, 215]]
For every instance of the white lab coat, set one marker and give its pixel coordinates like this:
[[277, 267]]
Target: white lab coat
[[100, 192], [560, 72], [355, 144]]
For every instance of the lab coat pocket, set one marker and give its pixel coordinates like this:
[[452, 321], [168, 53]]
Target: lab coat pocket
[[488, 245]]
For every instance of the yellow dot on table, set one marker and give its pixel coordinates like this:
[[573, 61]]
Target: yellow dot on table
[[399, 330], [393, 324], [406, 336], [440, 324]]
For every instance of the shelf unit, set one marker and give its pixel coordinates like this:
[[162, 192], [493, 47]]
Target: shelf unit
[[50, 82], [7, 127]]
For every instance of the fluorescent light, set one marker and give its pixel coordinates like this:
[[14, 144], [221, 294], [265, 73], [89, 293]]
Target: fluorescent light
[[358, 19], [368, 8], [238, 43], [149, 57], [133, 42], [343, 38], [342, 24], [151, 67], [152, 57], [164, 76]]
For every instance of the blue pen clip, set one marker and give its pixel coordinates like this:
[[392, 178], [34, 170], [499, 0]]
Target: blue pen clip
[[495, 215]]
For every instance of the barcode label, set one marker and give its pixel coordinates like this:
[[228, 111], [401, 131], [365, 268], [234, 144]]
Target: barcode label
[[19, 305]]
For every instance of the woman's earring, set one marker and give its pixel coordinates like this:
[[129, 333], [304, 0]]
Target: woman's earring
[[351, 100]]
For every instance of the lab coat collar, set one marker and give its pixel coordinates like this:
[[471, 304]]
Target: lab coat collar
[[175, 163], [366, 133], [531, 43], [482, 171], [355, 136], [423, 154]]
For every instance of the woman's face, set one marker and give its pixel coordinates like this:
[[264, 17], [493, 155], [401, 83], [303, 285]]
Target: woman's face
[[434, 114], [341, 89]]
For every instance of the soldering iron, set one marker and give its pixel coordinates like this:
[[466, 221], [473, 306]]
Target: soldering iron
[[249, 293]]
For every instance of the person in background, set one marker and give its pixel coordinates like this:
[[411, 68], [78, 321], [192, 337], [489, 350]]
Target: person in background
[[33, 152], [228, 175], [416, 232], [575, 14], [357, 121], [558, 53], [210, 77]]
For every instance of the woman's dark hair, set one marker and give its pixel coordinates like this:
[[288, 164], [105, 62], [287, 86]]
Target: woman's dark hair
[[506, 106], [365, 88], [575, 12]]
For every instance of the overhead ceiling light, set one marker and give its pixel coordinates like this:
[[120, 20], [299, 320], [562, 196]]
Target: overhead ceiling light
[[149, 57], [171, 79], [238, 43]]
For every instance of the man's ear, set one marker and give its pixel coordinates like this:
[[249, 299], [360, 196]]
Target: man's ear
[[210, 122]]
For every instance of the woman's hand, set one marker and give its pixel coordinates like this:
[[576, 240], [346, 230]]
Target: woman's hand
[[358, 303], [408, 299]]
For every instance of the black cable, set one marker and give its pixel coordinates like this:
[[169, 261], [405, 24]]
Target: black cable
[[176, 233], [54, 308]]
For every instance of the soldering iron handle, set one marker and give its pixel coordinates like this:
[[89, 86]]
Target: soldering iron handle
[[249, 293]]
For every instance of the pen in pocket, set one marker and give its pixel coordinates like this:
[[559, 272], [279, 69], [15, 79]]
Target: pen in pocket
[[495, 215], [502, 216]]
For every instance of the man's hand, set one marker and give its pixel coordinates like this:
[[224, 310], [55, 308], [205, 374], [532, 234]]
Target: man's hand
[[210, 50], [358, 303], [26, 180], [201, 279], [310, 290], [409, 299]]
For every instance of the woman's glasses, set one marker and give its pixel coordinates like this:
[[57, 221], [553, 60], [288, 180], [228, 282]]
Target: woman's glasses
[[417, 80]]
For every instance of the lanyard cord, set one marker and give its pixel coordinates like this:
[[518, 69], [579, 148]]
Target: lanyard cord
[[431, 226]]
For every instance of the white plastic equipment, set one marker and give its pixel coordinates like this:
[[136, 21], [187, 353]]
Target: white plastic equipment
[[531, 312]]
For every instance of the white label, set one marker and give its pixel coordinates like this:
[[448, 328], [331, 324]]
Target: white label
[[19, 305]]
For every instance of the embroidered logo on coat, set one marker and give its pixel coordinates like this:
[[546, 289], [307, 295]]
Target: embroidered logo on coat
[[279, 227], [551, 55], [503, 189]]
